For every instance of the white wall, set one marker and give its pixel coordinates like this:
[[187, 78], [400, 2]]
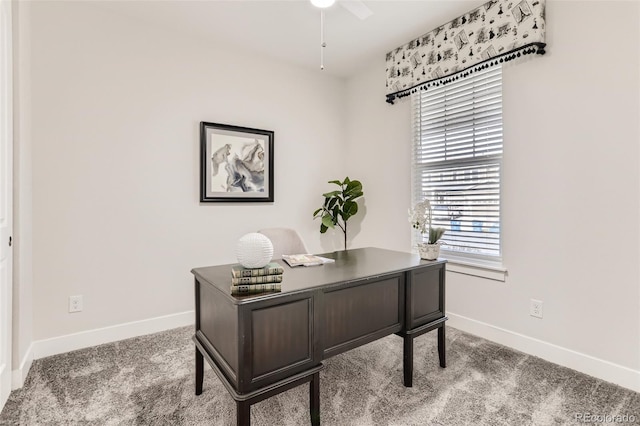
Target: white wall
[[571, 194], [116, 106], [379, 150]]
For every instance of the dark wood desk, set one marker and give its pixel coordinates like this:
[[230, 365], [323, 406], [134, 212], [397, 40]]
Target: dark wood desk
[[265, 344]]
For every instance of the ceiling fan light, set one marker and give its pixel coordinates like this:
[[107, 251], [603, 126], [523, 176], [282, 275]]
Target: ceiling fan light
[[322, 3]]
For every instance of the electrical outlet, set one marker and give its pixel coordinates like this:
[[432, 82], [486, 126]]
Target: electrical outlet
[[535, 308], [75, 303]]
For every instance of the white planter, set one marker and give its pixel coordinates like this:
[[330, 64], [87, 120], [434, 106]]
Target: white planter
[[429, 251]]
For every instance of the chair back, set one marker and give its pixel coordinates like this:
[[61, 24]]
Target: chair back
[[285, 241]]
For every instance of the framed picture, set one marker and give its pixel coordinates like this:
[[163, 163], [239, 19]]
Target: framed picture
[[236, 163]]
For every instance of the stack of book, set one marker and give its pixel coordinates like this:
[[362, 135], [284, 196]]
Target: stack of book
[[256, 280]]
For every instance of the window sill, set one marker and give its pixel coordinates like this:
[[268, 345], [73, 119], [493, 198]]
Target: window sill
[[489, 270]]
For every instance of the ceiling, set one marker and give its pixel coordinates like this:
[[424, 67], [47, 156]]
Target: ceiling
[[289, 30]]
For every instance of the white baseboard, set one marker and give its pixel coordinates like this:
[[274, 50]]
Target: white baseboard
[[20, 375], [605, 370], [99, 336], [587, 364]]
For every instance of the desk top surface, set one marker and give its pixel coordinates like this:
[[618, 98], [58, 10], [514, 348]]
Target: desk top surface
[[351, 265]]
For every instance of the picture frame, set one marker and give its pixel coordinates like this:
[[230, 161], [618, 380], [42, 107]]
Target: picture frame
[[236, 163]]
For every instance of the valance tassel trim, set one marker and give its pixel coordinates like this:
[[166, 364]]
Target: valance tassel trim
[[493, 33], [537, 48]]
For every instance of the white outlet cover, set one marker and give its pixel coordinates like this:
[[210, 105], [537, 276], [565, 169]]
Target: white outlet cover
[[75, 304], [536, 308]]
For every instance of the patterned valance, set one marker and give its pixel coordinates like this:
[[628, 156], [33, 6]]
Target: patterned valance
[[497, 31]]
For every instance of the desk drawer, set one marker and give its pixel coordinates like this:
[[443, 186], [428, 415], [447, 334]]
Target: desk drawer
[[361, 314]]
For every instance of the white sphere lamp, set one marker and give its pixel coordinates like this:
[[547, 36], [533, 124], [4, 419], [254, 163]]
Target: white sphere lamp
[[254, 250], [322, 4]]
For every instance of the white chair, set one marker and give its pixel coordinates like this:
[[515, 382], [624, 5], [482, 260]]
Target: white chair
[[285, 241]]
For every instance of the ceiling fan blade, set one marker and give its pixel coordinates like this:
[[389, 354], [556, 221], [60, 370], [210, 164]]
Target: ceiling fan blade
[[357, 7]]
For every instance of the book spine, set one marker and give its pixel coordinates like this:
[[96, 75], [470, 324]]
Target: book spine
[[257, 272], [264, 279], [255, 288]]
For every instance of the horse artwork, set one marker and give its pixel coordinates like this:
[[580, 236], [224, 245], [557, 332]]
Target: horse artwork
[[236, 163]]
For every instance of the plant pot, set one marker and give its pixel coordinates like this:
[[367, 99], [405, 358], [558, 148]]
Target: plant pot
[[429, 251]]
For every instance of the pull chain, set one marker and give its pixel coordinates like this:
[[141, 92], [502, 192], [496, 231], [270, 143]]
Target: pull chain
[[322, 43]]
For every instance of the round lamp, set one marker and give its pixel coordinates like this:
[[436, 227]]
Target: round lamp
[[254, 250]]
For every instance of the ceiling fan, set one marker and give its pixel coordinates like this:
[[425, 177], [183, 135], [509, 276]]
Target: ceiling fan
[[356, 7]]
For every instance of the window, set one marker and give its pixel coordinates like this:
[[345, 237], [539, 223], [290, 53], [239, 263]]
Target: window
[[457, 161]]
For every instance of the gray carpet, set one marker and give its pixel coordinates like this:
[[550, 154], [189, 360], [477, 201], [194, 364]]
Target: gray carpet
[[149, 381]]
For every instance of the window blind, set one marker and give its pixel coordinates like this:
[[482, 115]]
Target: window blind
[[457, 160]]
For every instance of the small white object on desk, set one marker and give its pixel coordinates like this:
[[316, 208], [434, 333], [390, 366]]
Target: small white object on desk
[[254, 250], [305, 260]]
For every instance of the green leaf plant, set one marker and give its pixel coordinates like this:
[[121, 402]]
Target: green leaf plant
[[339, 206]]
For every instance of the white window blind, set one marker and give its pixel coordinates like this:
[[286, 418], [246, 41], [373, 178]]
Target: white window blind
[[457, 160]]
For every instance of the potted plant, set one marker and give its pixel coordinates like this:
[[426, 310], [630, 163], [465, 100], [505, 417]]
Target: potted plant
[[420, 217], [339, 206]]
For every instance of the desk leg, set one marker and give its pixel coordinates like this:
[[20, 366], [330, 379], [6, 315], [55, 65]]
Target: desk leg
[[243, 413], [407, 361], [314, 399], [199, 371], [441, 348]]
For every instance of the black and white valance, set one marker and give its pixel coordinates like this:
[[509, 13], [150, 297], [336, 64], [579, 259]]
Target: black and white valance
[[497, 31]]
